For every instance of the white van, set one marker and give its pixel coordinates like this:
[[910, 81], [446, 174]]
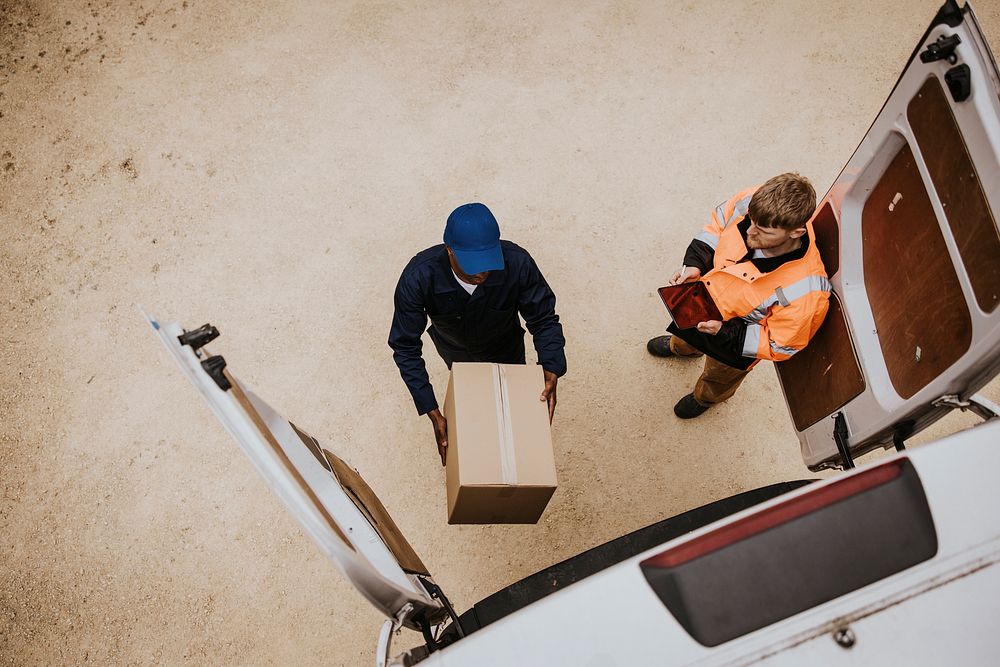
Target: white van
[[890, 562]]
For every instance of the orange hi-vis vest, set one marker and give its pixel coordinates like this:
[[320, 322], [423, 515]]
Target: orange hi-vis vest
[[782, 308]]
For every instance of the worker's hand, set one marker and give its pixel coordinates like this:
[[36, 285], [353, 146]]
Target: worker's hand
[[549, 393], [440, 432], [687, 275], [711, 327]]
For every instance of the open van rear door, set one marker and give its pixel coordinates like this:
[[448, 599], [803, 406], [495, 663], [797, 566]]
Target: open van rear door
[[330, 500], [908, 233]]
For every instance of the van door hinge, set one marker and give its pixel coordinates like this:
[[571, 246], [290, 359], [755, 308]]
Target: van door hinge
[[389, 628], [438, 594], [976, 404], [942, 49]]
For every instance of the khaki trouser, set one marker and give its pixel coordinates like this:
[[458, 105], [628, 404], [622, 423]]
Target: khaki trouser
[[718, 382]]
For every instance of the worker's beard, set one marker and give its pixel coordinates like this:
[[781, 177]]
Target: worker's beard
[[761, 244]]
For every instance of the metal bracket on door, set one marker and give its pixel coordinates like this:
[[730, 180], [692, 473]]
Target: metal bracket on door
[[976, 404], [841, 436], [942, 49], [215, 366], [199, 338]]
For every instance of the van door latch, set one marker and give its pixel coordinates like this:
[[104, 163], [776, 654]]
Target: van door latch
[[200, 337], [942, 49]]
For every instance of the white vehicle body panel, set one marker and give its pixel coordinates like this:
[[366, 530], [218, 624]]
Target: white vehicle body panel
[[614, 618], [942, 626]]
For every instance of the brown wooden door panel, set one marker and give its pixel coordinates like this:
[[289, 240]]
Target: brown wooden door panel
[[923, 322], [825, 375], [943, 150], [828, 238]]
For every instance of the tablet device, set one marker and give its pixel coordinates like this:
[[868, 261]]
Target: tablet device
[[689, 303]]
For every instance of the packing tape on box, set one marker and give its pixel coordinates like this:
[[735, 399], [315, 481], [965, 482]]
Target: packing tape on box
[[508, 462]]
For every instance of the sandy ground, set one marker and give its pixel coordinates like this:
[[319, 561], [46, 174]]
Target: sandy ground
[[270, 167]]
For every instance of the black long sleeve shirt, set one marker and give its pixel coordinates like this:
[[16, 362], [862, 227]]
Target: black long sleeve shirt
[[482, 326]]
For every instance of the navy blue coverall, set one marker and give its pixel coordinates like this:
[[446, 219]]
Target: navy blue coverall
[[482, 326]]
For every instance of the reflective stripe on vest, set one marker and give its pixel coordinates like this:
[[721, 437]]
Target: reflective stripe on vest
[[752, 341], [781, 349], [785, 295], [740, 210], [742, 206], [708, 238], [720, 214]]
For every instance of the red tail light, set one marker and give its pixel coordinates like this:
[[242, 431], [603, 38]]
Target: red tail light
[[780, 561], [777, 515]]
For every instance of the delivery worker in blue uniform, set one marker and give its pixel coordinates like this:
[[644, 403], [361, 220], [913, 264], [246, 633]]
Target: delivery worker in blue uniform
[[473, 287]]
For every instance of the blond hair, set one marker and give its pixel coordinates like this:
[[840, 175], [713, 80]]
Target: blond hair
[[786, 201]]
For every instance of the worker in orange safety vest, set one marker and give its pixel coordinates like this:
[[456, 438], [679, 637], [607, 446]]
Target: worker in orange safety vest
[[759, 262]]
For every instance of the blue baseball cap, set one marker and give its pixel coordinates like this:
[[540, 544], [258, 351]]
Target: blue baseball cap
[[473, 235]]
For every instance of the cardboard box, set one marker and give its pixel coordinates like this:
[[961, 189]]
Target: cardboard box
[[500, 465]]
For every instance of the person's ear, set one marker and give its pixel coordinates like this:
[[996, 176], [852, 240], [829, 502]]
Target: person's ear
[[796, 233]]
